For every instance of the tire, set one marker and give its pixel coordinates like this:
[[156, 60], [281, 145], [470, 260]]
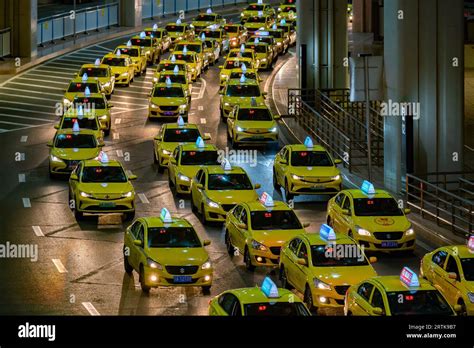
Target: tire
[[161, 169], [224, 119], [107, 132], [289, 196], [276, 186], [126, 265], [228, 244], [463, 311], [170, 182], [155, 160], [129, 216], [206, 290], [145, 288], [248, 262], [77, 214], [203, 216], [308, 300], [284, 279], [350, 234], [193, 206]]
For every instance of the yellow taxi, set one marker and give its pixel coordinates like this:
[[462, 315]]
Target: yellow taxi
[[256, 9], [233, 63], [287, 12], [306, 169], [243, 92], [122, 67], [196, 46], [242, 52], [162, 39], [258, 229], [179, 31], [218, 34], [204, 20], [177, 77], [251, 74], [252, 125], [268, 300], [282, 39], [76, 117], [236, 33], [79, 85], [167, 251], [169, 66], [451, 270], [212, 51], [264, 37], [256, 23], [323, 266], [136, 54], [170, 136], [373, 218], [186, 161], [150, 47], [217, 189], [396, 295], [265, 55], [101, 186], [168, 100], [69, 147], [289, 29], [101, 72], [193, 60]]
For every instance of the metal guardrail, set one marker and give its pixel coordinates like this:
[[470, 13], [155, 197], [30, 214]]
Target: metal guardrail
[[87, 19], [445, 206], [157, 8], [5, 42]]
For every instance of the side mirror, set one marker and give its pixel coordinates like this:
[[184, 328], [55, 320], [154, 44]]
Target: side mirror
[[74, 177], [264, 94], [242, 226], [377, 311], [157, 138], [372, 259], [200, 186], [301, 262], [231, 116], [276, 117], [132, 177], [103, 127], [306, 224], [407, 211], [206, 137], [173, 160], [100, 145], [138, 242], [49, 143], [56, 126], [257, 186], [452, 275], [221, 67], [109, 105], [346, 212], [221, 92], [206, 242], [338, 161], [283, 161]]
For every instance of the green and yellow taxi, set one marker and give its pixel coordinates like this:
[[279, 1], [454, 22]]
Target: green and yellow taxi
[[168, 100], [78, 85], [180, 77], [101, 186], [258, 229], [170, 136], [267, 300], [264, 37], [193, 60], [243, 92], [451, 270], [186, 161], [150, 47], [233, 63], [396, 295], [242, 52], [212, 51], [179, 31], [196, 46], [136, 54], [306, 169], [251, 74], [289, 30], [169, 66], [373, 218], [252, 125], [265, 55], [282, 39], [162, 39], [287, 12], [167, 251], [236, 33], [256, 23], [322, 266], [122, 67], [256, 9], [215, 190], [84, 120], [69, 147], [101, 72], [204, 20], [217, 33]]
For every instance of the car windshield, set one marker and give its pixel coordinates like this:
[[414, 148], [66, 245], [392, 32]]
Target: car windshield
[[81, 87], [254, 115], [156, 34], [173, 237], [310, 159], [243, 91], [205, 18], [248, 75], [188, 58], [262, 20], [94, 72], [86, 123], [255, 8], [276, 33], [337, 255], [170, 67], [76, 141], [189, 135], [266, 39], [132, 52], [104, 174], [275, 220], [288, 9], [231, 29], [237, 64], [175, 28], [376, 207], [238, 54], [181, 79], [199, 158], [275, 309], [422, 302], [114, 61], [258, 48], [89, 104], [229, 182], [168, 92], [190, 47], [213, 34], [141, 42], [467, 265]]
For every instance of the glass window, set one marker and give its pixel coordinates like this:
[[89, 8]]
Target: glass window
[[132, 52], [422, 302], [467, 265], [84, 123], [254, 115], [237, 211], [88, 104], [202, 180], [134, 229], [275, 220], [190, 47], [377, 300], [112, 61], [439, 258], [276, 309], [257, 48], [376, 207], [141, 42], [365, 290], [347, 204], [452, 267], [294, 244], [339, 199], [94, 72], [303, 252], [80, 87], [229, 182], [79, 141], [352, 256], [227, 302], [244, 217], [112, 174], [178, 135], [199, 158], [168, 92], [173, 237], [311, 159], [141, 234]]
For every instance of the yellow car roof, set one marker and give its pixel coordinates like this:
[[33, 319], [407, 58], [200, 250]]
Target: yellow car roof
[[238, 50], [252, 43], [78, 79], [103, 66], [357, 193], [189, 42], [175, 24], [163, 84], [177, 62], [140, 37], [254, 107], [189, 53], [220, 170], [113, 55], [247, 71], [315, 239], [462, 251], [176, 126], [92, 95], [125, 46], [393, 283], [256, 295], [247, 82], [155, 221], [192, 146], [151, 29], [97, 163], [301, 147], [259, 206]]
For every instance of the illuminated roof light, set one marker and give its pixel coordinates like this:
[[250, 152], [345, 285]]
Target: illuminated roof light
[[243, 78], [84, 77], [283, 22], [80, 112], [200, 143], [308, 142], [256, 41], [274, 27], [203, 37], [368, 188], [327, 233], [142, 35], [165, 216], [209, 11], [226, 164], [168, 82], [173, 59], [87, 92], [75, 127], [244, 68], [242, 48], [185, 50], [260, 2], [409, 278], [103, 158], [470, 244], [119, 53], [97, 62], [155, 27], [267, 200], [269, 288], [178, 21], [180, 121], [260, 13], [129, 43], [176, 70]]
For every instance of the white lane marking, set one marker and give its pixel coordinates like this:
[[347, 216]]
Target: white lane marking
[[26, 202], [39, 80], [143, 198], [49, 76], [46, 70], [35, 92], [74, 59], [90, 308], [424, 245], [119, 153], [27, 118], [203, 89], [38, 231], [130, 89], [36, 85], [203, 121], [201, 108], [59, 266], [119, 92], [21, 177], [127, 103], [17, 124], [61, 65], [102, 47], [24, 138], [101, 51], [118, 120], [27, 110], [129, 110], [191, 113], [116, 136], [87, 55]]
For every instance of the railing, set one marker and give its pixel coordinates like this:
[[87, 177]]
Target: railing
[[87, 19], [5, 46], [447, 207], [157, 8]]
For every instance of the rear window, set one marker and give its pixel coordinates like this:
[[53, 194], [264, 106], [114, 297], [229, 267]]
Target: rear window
[[168, 92], [81, 87]]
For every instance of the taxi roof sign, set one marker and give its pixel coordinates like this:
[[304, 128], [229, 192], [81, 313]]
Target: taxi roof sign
[[256, 41], [75, 127], [409, 278], [176, 70], [260, 2], [173, 58], [118, 53], [274, 27], [470, 244], [85, 77], [368, 188], [185, 50], [103, 158], [142, 35], [267, 200], [209, 11], [283, 22], [244, 68], [269, 288], [226, 164], [180, 121], [260, 13], [308, 142], [243, 78], [155, 27], [327, 233], [203, 37], [168, 82], [129, 43], [165, 216], [87, 92], [178, 21], [200, 142], [97, 62], [242, 48]]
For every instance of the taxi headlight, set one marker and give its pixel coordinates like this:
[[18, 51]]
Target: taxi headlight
[[264, 60], [153, 106], [154, 264], [166, 152], [296, 177], [66, 101], [127, 194], [183, 177], [125, 74], [226, 104], [107, 84], [155, 79], [258, 246], [363, 232], [224, 77], [212, 204], [182, 108], [321, 285], [56, 159], [242, 14], [471, 296], [278, 43], [240, 129], [104, 117], [410, 232], [273, 130], [279, 16], [206, 265], [336, 177], [85, 194]]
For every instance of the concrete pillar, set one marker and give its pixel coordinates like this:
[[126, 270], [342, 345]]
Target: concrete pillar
[[322, 43], [23, 21], [422, 38], [362, 10], [130, 13]]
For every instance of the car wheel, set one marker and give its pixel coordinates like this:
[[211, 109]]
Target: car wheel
[[155, 160], [145, 288], [127, 266], [193, 206], [206, 290], [308, 299], [284, 279], [203, 215], [77, 214], [228, 244], [276, 186], [288, 195], [170, 183], [248, 261], [161, 169], [463, 311], [350, 234], [107, 131]]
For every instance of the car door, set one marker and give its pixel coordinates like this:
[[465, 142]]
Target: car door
[[281, 168], [377, 301], [291, 258], [243, 233], [346, 220], [140, 250], [300, 270], [335, 212], [172, 166], [362, 297], [131, 249], [227, 303], [436, 271], [450, 290], [234, 219], [195, 192], [74, 183], [231, 121]]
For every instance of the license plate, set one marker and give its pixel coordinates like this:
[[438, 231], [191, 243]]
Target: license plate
[[107, 204], [169, 113], [389, 244], [182, 279], [259, 137], [317, 186]]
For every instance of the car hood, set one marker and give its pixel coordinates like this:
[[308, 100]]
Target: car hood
[[168, 101], [75, 154], [189, 171], [315, 171], [119, 69], [106, 188], [275, 237], [383, 223], [178, 256], [343, 275], [232, 197]]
